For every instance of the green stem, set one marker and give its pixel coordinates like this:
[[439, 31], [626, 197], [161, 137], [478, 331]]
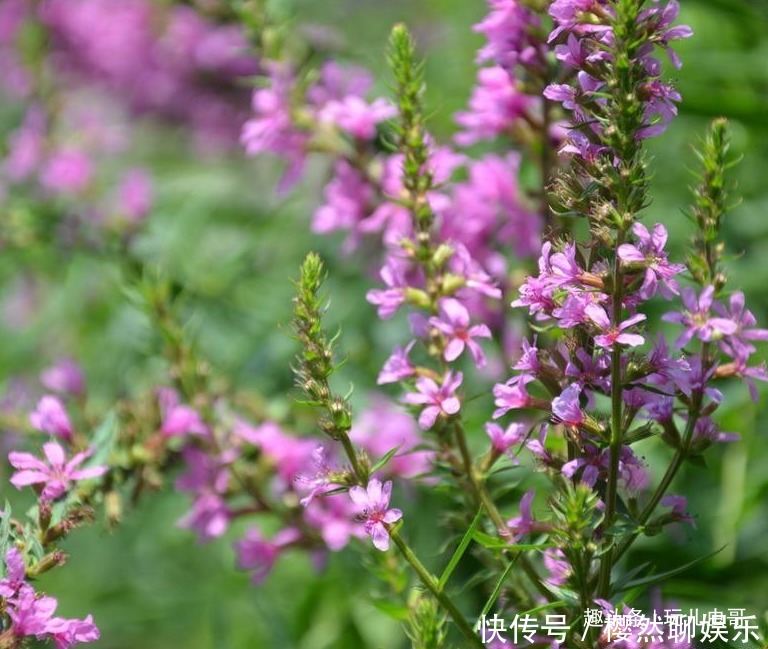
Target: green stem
[[616, 424], [481, 494], [677, 461], [431, 584]]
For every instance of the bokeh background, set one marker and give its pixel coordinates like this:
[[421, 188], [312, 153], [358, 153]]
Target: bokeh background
[[221, 232]]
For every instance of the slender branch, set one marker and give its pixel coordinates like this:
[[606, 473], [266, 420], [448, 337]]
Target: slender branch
[[431, 584]]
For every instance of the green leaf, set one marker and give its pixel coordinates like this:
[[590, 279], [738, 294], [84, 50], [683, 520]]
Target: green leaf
[[5, 535], [103, 440], [495, 543], [384, 460], [460, 550], [497, 587], [390, 609], [654, 579]]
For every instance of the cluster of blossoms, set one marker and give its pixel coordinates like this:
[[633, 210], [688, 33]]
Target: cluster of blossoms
[[299, 477], [91, 71], [170, 61], [586, 46], [57, 479], [31, 615]]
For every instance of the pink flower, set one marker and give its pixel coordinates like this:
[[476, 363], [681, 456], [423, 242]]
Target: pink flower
[[389, 300], [375, 512], [30, 614], [67, 171], [613, 334], [65, 377], [66, 633], [183, 420], [697, 320], [56, 474], [257, 554], [453, 323], [382, 427], [523, 524], [51, 417], [566, 408], [439, 399], [398, 366], [512, 394], [15, 573], [357, 117], [503, 440], [134, 195]]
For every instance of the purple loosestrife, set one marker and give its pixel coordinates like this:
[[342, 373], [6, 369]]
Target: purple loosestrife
[[65, 377], [51, 417], [374, 511], [453, 324], [439, 400], [31, 614], [258, 555], [56, 473]]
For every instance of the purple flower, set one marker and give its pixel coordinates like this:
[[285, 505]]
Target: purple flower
[[373, 502], [67, 171], [523, 524], [51, 417], [503, 440], [357, 117], [398, 366], [679, 505], [183, 420], [382, 427], [348, 197], [566, 408], [134, 195], [66, 633], [592, 462], [512, 394], [649, 251], [56, 474], [738, 343], [389, 300], [613, 335], [272, 129], [697, 320], [15, 573], [453, 323], [207, 477], [65, 377], [438, 399], [258, 555], [496, 104], [557, 566]]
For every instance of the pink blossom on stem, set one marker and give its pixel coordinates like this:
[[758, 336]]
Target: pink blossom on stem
[[51, 417], [438, 399], [356, 116], [453, 323], [697, 320], [566, 407], [257, 554], [614, 334], [523, 524], [373, 502], [398, 366], [56, 474], [502, 440], [65, 377]]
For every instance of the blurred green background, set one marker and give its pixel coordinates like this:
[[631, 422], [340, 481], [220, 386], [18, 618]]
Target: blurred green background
[[220, 230]]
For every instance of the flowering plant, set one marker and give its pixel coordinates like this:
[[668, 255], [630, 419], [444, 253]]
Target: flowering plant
[[533, 348]]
